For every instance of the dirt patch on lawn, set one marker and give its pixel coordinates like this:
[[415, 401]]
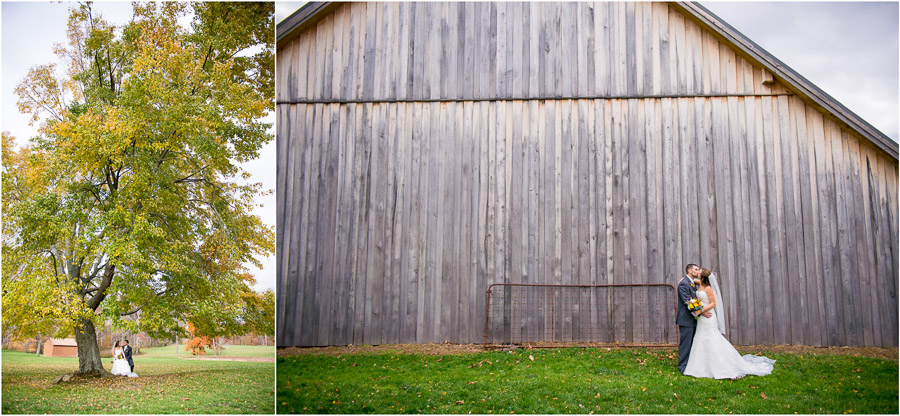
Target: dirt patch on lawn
[[458, 349], [214, 358]]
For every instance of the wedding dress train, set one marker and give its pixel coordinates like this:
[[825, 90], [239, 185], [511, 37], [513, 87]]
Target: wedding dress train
[[712, 356]]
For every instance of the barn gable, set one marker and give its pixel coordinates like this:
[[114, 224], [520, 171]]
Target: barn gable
[[429, 150]]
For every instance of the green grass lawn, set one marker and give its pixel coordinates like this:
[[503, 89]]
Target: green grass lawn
[[578, 381], [167, 384]]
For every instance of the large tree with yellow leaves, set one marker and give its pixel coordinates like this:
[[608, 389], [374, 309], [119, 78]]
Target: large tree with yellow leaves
[[130, 205]]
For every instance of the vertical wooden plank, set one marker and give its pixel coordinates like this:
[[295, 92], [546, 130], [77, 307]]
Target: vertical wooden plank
[[434, 242], [327, 50], [447, 193], [808, 216], [739, 183], [415, 289], [567, 50], [824, 217], [391, 231], [368, 91], [400, 253], [530, 38], [885, 190], [791, 271], [419, 45], [324, 238], [394, 49], [468, 83], [424, 275], [501, 68], [375, 273], [638, 212], [380, 56], [771, 177], [547, 138], [858, 238], [317, 68], [601, 58], [666, 69], [404, 49], [286, 169], [309, 313], [656, 272], [479, 194], [619, 48], [467, 287], [535, 261], [584, 233], [641, 65], [564, 202], [694, 51], [362, 186], [724, 213], [515, 47], [463, 54], [867, 244], [653, 80], [891, 208], [757, 135], [516, 241], [586, 71], [847, 244], [339, 250], [449, 48], [337, 52], [682, 56]]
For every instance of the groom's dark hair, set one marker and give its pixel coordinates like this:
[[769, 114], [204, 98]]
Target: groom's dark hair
[[689, 267], [126, 341]]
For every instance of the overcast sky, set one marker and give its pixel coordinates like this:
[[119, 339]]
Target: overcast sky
[[848, 49], [29, 31]]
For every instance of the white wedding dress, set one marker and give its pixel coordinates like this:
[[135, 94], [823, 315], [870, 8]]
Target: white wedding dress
[[712, 356], [120, 364]]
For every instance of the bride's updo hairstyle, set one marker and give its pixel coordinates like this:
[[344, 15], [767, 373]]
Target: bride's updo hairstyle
[[117, 345], [704, 276]]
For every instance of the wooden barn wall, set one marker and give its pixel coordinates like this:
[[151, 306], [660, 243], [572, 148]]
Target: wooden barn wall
[[396, 212], [431, 51]]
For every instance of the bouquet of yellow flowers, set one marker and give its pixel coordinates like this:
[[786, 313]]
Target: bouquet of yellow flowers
[[694, 305]]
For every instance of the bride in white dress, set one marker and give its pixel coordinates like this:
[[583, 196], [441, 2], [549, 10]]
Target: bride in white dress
[[120, 364], [712, 356]]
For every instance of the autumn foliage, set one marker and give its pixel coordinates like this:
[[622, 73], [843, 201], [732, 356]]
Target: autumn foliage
[[131, 205]]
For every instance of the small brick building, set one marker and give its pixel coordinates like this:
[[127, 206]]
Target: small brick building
[[60, 347]]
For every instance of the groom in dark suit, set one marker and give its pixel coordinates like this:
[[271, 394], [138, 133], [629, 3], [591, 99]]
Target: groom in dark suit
[[684, 317], [127, 351]]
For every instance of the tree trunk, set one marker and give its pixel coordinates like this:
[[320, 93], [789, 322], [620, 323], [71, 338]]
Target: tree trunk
[[37, 349], [89, 362]]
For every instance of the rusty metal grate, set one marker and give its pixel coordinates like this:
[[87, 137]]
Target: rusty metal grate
[[626, 314]]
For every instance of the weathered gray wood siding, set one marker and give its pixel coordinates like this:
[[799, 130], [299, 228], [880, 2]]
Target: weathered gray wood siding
[[427, 150]]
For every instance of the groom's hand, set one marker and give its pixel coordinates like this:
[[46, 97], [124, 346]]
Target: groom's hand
[[707, 314]]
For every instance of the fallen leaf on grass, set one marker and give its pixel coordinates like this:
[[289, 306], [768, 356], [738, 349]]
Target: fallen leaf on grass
[[460, 402], [531, 357], [763, 395]]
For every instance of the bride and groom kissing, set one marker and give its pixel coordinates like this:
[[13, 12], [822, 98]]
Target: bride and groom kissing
[[123, 365], [702, 349]]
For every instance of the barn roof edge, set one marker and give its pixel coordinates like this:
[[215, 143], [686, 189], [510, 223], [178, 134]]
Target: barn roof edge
[[788, 75]]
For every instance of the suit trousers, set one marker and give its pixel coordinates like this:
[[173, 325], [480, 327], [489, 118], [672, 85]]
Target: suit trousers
[[685, 340]]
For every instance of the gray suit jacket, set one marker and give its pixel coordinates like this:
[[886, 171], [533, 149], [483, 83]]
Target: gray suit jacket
[[684, 317]]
